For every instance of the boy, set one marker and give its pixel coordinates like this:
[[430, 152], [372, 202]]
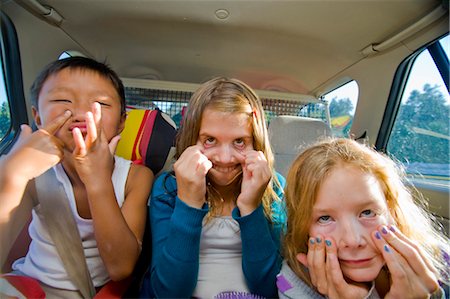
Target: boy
[[78, 105]]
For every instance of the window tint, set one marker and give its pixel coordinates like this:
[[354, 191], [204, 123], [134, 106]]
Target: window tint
[[420, 135], [342, 104]]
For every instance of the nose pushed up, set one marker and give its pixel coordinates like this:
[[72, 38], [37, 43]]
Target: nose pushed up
[[79, 109], [352, 234]]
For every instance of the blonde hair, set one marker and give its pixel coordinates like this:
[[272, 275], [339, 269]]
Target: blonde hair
[[233, 96], [309, 171]]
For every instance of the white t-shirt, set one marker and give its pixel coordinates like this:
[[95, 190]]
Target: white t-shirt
[[220, 265], [42, 261]]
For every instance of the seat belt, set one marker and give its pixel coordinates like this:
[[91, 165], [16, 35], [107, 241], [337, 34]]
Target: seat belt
[[55, 212]]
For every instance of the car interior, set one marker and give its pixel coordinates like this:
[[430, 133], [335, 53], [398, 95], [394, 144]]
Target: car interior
[[293, 53]]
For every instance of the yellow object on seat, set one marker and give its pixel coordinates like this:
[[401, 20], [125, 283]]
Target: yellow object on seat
[[148, 139]]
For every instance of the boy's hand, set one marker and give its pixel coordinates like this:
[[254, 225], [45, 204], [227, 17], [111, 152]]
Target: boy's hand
[[412, 274], [94, 156], [256, 175], [190, 171], [325, 272], [36, 152]]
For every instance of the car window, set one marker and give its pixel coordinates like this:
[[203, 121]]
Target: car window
[[420, 135], [5, 114], [342, 104]]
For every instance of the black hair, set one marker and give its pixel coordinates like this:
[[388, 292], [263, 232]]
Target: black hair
[[77, 63]]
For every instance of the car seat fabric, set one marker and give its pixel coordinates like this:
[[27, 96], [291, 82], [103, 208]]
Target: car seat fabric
[[148, 139], [290, 135], [17, 286]]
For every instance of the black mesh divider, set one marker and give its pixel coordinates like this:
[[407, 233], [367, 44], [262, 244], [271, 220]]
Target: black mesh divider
[[172, 103]]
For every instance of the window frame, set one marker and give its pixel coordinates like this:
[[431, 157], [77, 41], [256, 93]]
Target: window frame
[[12, 74], [398, 85], [392, 109]]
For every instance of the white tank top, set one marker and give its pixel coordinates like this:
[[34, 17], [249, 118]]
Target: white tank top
[[42, 261], [220, 265]]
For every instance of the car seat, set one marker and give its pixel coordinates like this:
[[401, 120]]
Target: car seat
[[290, 135]]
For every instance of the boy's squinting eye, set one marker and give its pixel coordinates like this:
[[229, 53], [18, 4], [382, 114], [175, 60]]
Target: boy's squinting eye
[[324, 219], [61, 101], [368, 213], [103, 103]]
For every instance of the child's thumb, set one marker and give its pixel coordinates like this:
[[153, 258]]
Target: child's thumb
[[113, 144], [25, 130]]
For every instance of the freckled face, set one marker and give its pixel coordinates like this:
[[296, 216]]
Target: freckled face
[[350, 205], [225, 138], [76, 90]]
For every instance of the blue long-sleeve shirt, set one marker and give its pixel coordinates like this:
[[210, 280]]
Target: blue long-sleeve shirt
[[176, 230]]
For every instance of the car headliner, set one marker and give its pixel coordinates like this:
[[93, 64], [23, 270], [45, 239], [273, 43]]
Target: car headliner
[[292, 46]]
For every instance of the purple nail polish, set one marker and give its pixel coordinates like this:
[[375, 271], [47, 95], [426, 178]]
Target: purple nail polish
[[384, 230], [378, 236], [392, 228]]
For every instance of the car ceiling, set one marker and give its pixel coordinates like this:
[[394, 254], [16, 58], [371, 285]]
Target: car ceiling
[[293, 46]]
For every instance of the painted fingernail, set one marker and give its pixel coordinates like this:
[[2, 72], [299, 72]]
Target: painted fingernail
[[318, 240], [328, 242], [378, 236], [384, 230], [386, 248], [311, 241], [392, 228]]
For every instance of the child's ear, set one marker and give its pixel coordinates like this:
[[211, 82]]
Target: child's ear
[[36, 116], [122, 123]]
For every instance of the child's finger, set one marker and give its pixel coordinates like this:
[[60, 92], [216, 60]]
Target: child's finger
[[80, 145], [408, 251], [402, 237], [57, 123], [398, 253], [25, 130], [319, 265], [310, 260], [113, 144], [338, 287], [92, 131], [97, 114], [335, 278], [204, 165]]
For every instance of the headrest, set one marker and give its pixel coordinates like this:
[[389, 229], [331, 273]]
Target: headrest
[[148, 139], [290, 135]]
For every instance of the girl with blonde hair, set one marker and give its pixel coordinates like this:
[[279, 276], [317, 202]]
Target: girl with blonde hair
[[216, 220], [355, 231]]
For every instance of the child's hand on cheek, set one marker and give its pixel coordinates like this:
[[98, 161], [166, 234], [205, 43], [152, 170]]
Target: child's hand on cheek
[[412, 275], [325, 272], [190, 171], [256, 175], [36, 152], [93, 154]]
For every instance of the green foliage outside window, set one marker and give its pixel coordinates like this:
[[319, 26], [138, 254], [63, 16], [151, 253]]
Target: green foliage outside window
[[5, 120], [421, 135]]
